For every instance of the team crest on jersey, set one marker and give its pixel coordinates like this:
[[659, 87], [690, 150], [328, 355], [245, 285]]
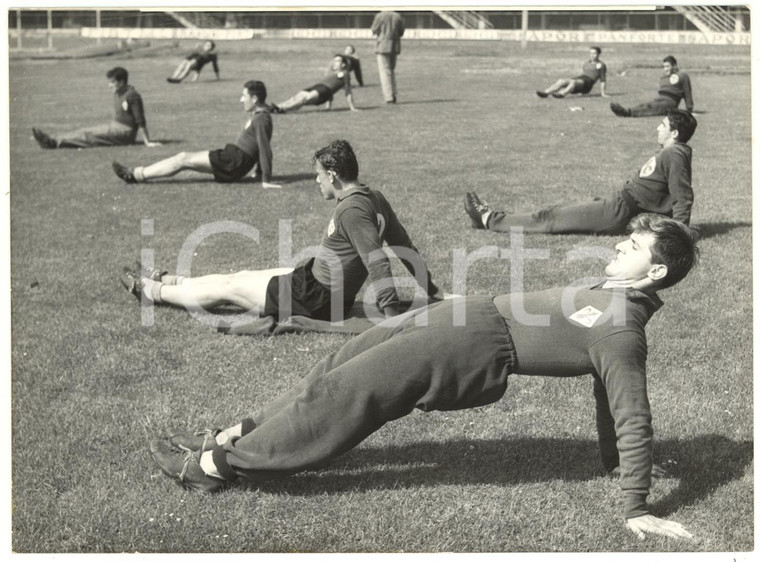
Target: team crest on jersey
[[331, 227], [248, 124], [598, 66], [674, 79], [124, 105], [586, 316], [648, 168]]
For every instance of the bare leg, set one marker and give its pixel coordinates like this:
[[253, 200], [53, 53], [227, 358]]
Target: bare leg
[[246, 289], [559, 84], [182, 69], [298, 100], [198, 161], [571, 84]]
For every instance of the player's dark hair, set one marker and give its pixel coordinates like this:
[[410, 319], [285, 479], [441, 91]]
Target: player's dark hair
[[119, 74], [675, 245], [671, 59], [597, 49], [353, 49], [339, 157], [257, 88], [212, 43], [683, 122]]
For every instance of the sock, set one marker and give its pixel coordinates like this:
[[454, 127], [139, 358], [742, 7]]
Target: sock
[[172, 279], [234, 431], [139, 173], [484, 218], [208, 466], [152, 289]]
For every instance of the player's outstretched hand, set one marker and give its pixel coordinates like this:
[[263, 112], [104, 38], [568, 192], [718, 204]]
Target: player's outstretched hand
[[640, 526], [151, 144], [269, 185]]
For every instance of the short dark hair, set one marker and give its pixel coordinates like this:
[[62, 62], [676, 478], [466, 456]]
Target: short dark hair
[[671, 59], [257, 88], [683, 122], [119, 74], [675, 245], [339, 157], [353, 49], [597, 49], [212, 43]]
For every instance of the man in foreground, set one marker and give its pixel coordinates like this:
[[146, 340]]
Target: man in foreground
[[662, 185], [326, 286], [227, 164], [675, 86], [459, 354], [129, 119], [594, 70]]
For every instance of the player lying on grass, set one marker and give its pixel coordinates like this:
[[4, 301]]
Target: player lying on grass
[[338, 76], [459, 354], [227, 164], [593, 70], [129, 119], [675, 86], [326, 286], [194, 63], [662, 185]]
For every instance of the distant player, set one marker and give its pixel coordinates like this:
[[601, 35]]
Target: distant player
[[338, 77], [351, 251], [353, 63], [594, 70], [227, 164], [129, 119], [675, 86], [194, 63], [662, 185]]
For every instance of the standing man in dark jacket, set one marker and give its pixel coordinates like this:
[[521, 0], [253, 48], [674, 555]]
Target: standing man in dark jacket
[[129, 119], [675, 86], [662, 185], [388, 27]]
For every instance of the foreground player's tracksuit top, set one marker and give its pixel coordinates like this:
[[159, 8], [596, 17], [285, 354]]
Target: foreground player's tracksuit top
[[601, 332], [677, 86], [663, 184], [128, 108], [255, 141], [362, 221]]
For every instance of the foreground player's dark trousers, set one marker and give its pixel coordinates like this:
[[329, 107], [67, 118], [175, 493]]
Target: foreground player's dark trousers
[[379, 376], [597, 216]]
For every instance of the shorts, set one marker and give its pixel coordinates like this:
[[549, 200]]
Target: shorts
[[325, 94], [584, 88], [230, 163], [307, 295]]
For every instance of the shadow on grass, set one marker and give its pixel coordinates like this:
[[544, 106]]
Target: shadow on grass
[[710, 229], [704, 464]]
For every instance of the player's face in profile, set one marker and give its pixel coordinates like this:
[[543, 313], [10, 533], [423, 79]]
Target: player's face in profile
[[247, 100], [207, 46], [663, 131], [114, 85], [324, 179], [667, 68], [633, 258], [337, 63]]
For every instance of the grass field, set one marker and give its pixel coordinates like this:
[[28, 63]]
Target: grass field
[[91, 386]]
